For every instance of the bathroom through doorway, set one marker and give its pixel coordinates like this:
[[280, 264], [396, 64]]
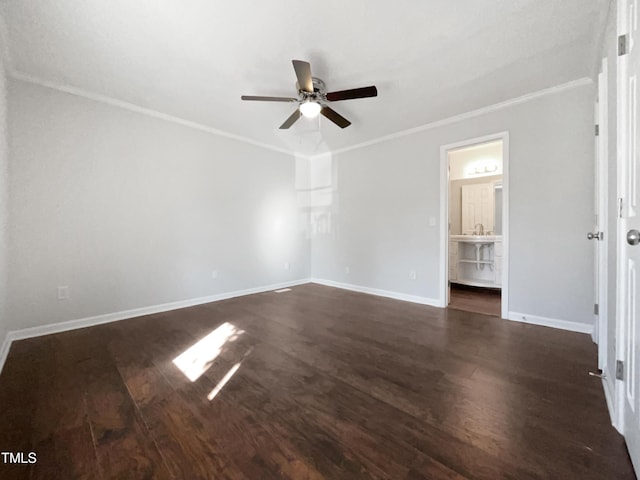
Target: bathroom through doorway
[[476, 221]]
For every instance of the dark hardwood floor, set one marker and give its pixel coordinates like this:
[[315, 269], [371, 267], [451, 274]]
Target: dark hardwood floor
[[476, 299], [315, 383]]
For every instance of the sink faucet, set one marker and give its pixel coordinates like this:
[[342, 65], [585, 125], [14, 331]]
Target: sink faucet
[[478, 231]]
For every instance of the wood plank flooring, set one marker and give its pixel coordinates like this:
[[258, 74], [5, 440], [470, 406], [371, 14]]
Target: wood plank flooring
[[315, 383], [475, 299]]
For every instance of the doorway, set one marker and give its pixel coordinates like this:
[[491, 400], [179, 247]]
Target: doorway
[[475, 224]]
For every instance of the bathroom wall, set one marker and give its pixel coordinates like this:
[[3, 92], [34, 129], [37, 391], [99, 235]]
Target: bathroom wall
[[471, 160]]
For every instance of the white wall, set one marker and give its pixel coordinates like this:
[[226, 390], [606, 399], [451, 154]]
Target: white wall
[[385, 193], [382, 196], [4, 210], [131, 211]]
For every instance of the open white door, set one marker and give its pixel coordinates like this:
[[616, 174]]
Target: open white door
[[628, 341]]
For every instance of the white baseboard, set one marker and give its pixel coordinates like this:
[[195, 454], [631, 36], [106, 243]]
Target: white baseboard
[[609, 397], [550, 322], [125, 314], [381, 293], [514, 316], [138, 312]]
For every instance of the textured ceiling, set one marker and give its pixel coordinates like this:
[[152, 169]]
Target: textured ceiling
[[194, 58]]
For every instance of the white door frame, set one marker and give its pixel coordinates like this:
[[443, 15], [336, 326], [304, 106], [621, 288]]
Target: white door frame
[[443, 301], [602, 218]]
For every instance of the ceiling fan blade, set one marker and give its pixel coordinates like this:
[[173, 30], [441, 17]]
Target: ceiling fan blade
[[303, 72], [291, 120], [268, 99], [363, 92], [335, 117]]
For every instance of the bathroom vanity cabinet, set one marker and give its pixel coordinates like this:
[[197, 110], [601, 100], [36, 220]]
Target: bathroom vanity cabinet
[[476, 260]]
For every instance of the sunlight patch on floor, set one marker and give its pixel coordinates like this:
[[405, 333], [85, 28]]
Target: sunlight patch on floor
[[228, 376], [224, 380], [197, 359]]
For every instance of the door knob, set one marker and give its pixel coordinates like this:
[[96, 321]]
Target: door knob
[[633, 237], [597, 236]]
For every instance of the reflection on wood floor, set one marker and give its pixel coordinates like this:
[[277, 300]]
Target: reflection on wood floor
[[314, 383], [475, 299]]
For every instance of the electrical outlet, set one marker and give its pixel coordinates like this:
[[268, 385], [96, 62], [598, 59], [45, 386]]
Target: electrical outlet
[[432, 221], [63, 292], [347, 270], [287, 265], [412, 275], [214, 274]]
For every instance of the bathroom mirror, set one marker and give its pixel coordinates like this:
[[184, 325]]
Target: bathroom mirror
[[474, 205], [475, 190]]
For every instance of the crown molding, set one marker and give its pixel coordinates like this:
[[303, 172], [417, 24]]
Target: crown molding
[[20, 76], [11, 72], [105, 99], [581, 82]]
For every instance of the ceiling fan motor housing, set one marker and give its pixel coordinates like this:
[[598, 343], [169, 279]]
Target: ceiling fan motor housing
[[319, 90]]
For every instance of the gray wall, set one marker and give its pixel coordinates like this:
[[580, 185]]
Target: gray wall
[[131, 211], [4, 210], [455, 200], [385, 193]]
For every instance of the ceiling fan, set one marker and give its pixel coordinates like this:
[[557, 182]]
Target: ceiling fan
[[312, 96]]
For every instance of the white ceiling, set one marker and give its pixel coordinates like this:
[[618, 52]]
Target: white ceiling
[[194, 58]]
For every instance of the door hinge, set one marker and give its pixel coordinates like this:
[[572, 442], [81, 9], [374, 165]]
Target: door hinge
[[597, 130], [619, 207], [619, 370], [622, 45], [596, 309]]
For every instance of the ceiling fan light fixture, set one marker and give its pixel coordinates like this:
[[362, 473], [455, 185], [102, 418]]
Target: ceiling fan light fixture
[[312, 95], [310, 109]]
